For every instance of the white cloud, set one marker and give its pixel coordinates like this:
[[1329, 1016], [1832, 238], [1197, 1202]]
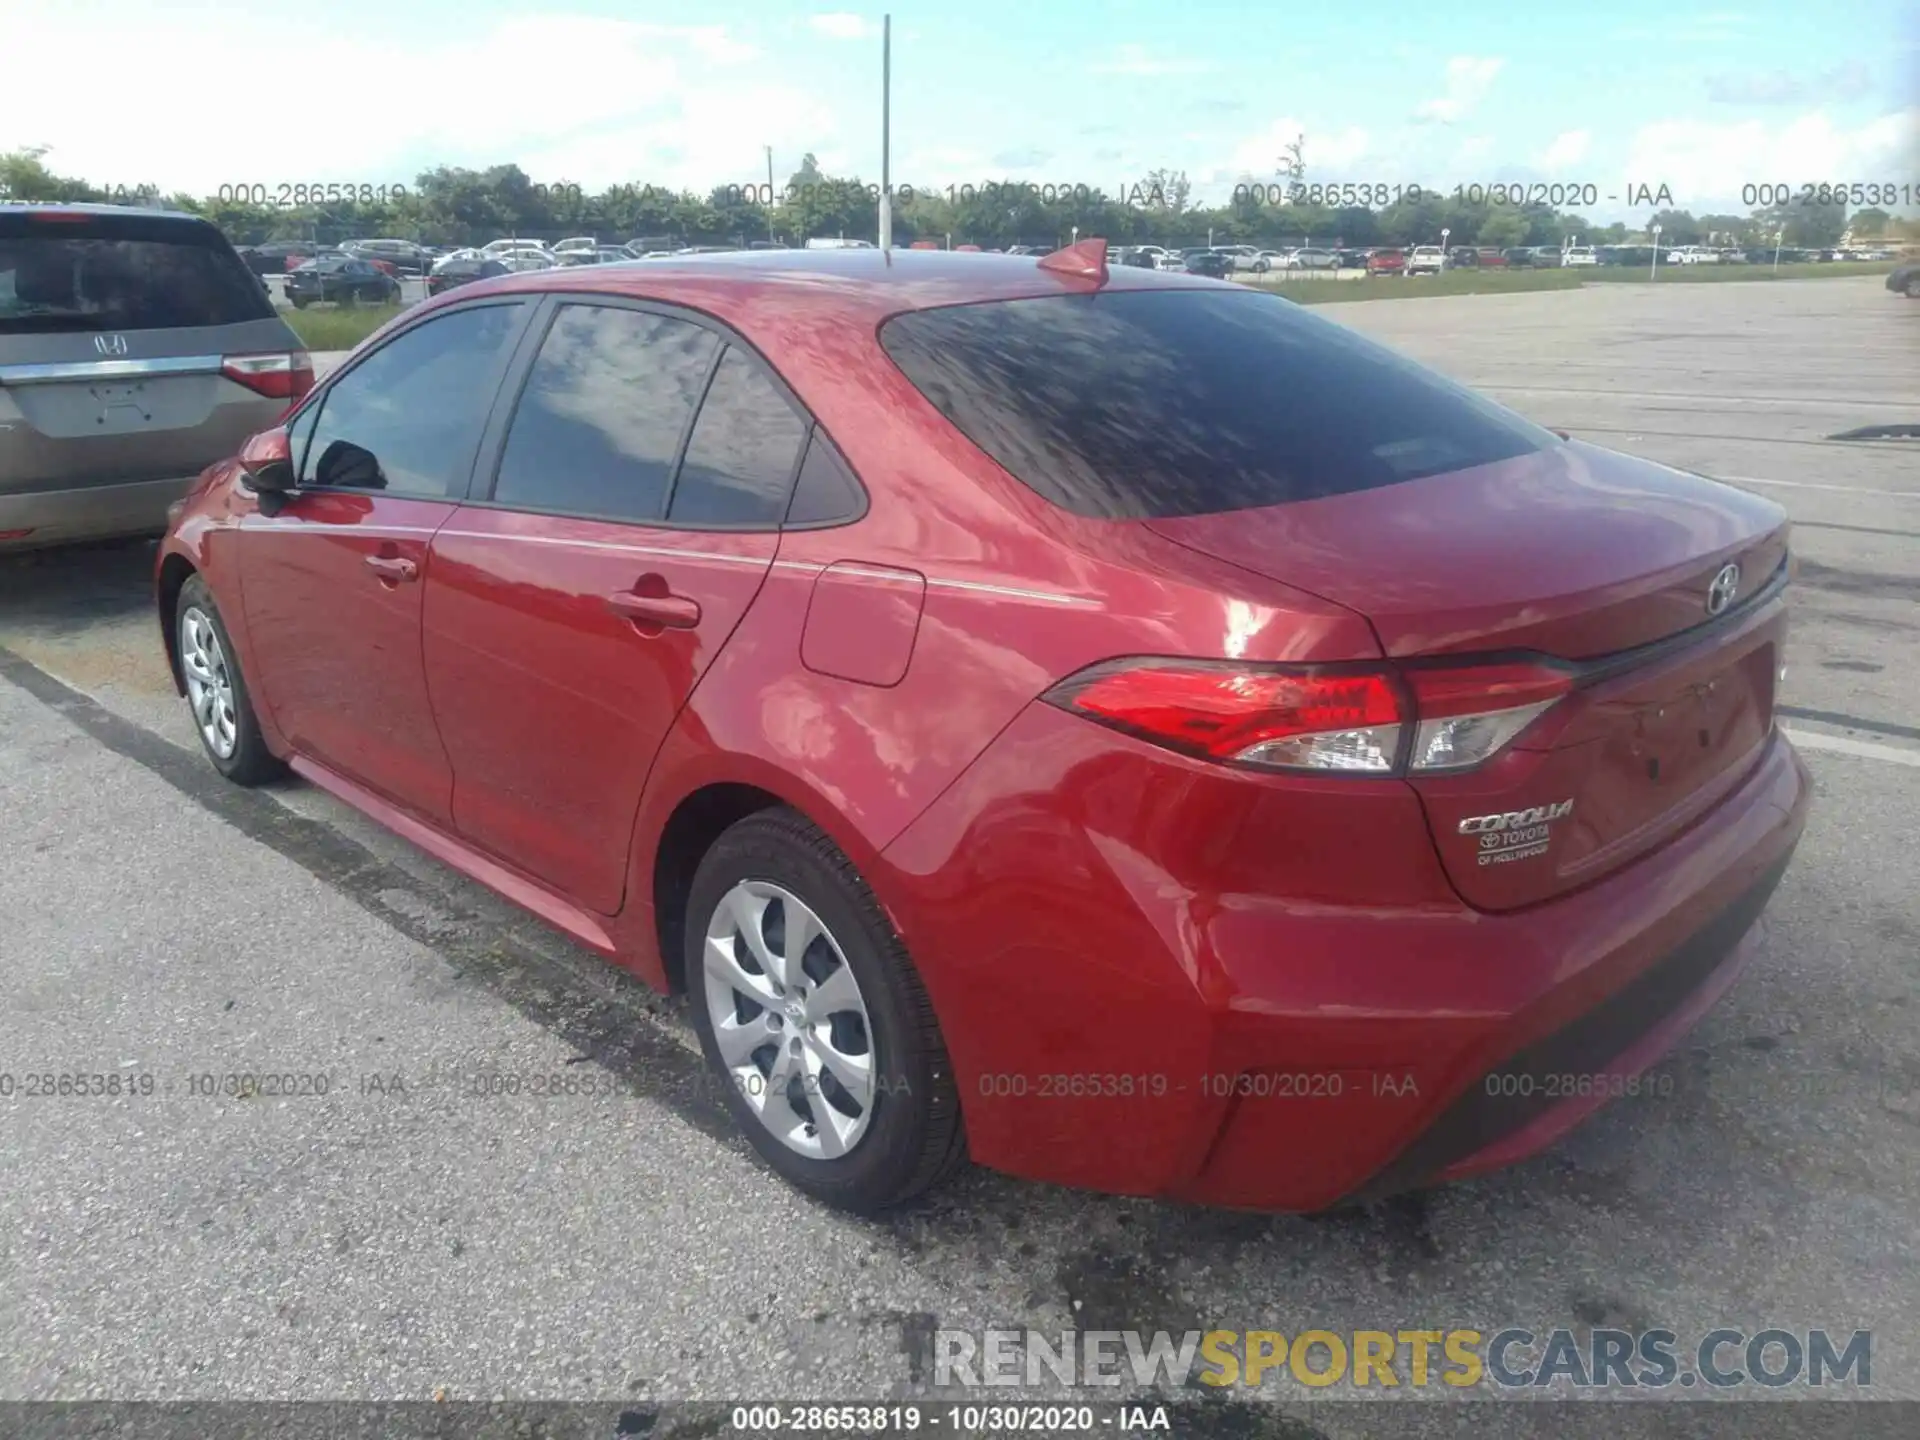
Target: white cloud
[[1781, 87], [581, 98], [1472, 154], [841, 25], [1469, 77], [1139, 60], [1568, 148], [1713, 27], [1705, 164], [1328, 153]]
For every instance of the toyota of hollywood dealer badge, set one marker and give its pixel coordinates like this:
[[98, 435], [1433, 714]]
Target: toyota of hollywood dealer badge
[[1515, 834]]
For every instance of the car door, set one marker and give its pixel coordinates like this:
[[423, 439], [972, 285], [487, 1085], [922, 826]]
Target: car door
[[330, 584], [624, 522]]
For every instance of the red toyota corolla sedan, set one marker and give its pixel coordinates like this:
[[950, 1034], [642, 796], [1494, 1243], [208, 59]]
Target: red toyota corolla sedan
[[1113, 725]]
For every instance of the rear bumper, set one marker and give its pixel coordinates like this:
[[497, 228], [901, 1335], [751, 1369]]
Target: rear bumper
[[1154, 980], [94, 512]]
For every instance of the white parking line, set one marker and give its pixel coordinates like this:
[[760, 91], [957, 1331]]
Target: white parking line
[[1809, 485], [1841, 745]]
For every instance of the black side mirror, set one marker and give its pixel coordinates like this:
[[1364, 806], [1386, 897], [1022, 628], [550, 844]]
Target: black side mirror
[[267, 460], [349, 467], [274, 477]]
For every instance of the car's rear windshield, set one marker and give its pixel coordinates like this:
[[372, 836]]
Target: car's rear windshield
[[1151, 404], [110, 273]]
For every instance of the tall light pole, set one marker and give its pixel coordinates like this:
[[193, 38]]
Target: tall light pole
[[1778, 237], [770, 196], [1653, 270], [886, 133], [1444, 233]]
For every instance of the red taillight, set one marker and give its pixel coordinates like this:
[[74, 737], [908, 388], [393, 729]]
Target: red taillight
[[1469, 714], [282, 376], [1316, 719], [1343, 718], [1474, 689]]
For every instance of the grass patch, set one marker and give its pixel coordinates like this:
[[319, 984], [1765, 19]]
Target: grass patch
[[335, 329]]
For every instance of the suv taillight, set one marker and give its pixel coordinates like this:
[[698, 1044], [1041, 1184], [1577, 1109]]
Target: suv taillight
[[284, 376], [1365, 719]]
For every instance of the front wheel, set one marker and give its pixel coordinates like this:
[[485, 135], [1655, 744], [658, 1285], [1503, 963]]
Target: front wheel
[[217, 691], [1913, 287], [814, 1022]]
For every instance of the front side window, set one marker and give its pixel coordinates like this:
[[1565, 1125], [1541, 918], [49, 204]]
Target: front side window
[[406, 419], [600, 422]]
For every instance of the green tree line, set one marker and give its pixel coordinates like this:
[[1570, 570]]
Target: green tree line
[[455, 206]]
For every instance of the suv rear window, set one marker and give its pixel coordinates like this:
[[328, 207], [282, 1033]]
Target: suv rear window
[[114, 273], [1150, 404]]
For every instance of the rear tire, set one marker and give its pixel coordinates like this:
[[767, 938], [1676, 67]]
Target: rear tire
[[1913, 287], [771, 877], [217, 692]]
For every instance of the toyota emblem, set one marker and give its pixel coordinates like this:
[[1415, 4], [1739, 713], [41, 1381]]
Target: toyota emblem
[[1725, 586], [110, 344]]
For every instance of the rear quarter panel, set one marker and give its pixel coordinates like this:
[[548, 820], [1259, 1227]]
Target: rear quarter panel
[[1018, 595]]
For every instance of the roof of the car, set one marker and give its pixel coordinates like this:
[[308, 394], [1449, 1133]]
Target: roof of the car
[[27, 207], [859, 285]]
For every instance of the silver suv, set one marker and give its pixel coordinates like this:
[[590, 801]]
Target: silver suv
[[136, 349]]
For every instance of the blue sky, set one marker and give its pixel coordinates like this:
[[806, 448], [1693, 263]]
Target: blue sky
[[1703, 100]]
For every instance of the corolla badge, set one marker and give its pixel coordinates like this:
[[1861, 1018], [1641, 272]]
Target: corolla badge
[[1725, 586], [1515, 834]]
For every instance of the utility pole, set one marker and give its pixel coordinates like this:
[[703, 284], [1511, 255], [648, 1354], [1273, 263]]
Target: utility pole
[[770, 194], [886, 133]]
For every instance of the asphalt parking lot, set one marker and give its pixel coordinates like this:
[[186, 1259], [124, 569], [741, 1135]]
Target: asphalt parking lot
[[407, 1234]]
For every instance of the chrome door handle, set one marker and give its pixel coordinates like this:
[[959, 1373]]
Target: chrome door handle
[[393, 568], [676, 612]]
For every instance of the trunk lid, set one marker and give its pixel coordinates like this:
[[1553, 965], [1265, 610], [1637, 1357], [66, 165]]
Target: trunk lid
[[1578, 554]]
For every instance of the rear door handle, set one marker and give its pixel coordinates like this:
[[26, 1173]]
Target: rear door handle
[[676, 612], [393, 568]]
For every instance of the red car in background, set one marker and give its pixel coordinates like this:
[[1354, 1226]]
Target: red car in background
[[1303, 781], [1387, 262]]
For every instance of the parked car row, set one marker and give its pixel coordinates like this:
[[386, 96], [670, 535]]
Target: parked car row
[[1431, 259]]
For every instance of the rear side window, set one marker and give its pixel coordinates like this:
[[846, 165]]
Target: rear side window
[[110, 273], [605, 407], [1160, 403], [826, 492], [740, 459]]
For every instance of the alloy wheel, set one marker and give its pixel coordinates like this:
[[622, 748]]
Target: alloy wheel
[[203, 660], [789, 1020]]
